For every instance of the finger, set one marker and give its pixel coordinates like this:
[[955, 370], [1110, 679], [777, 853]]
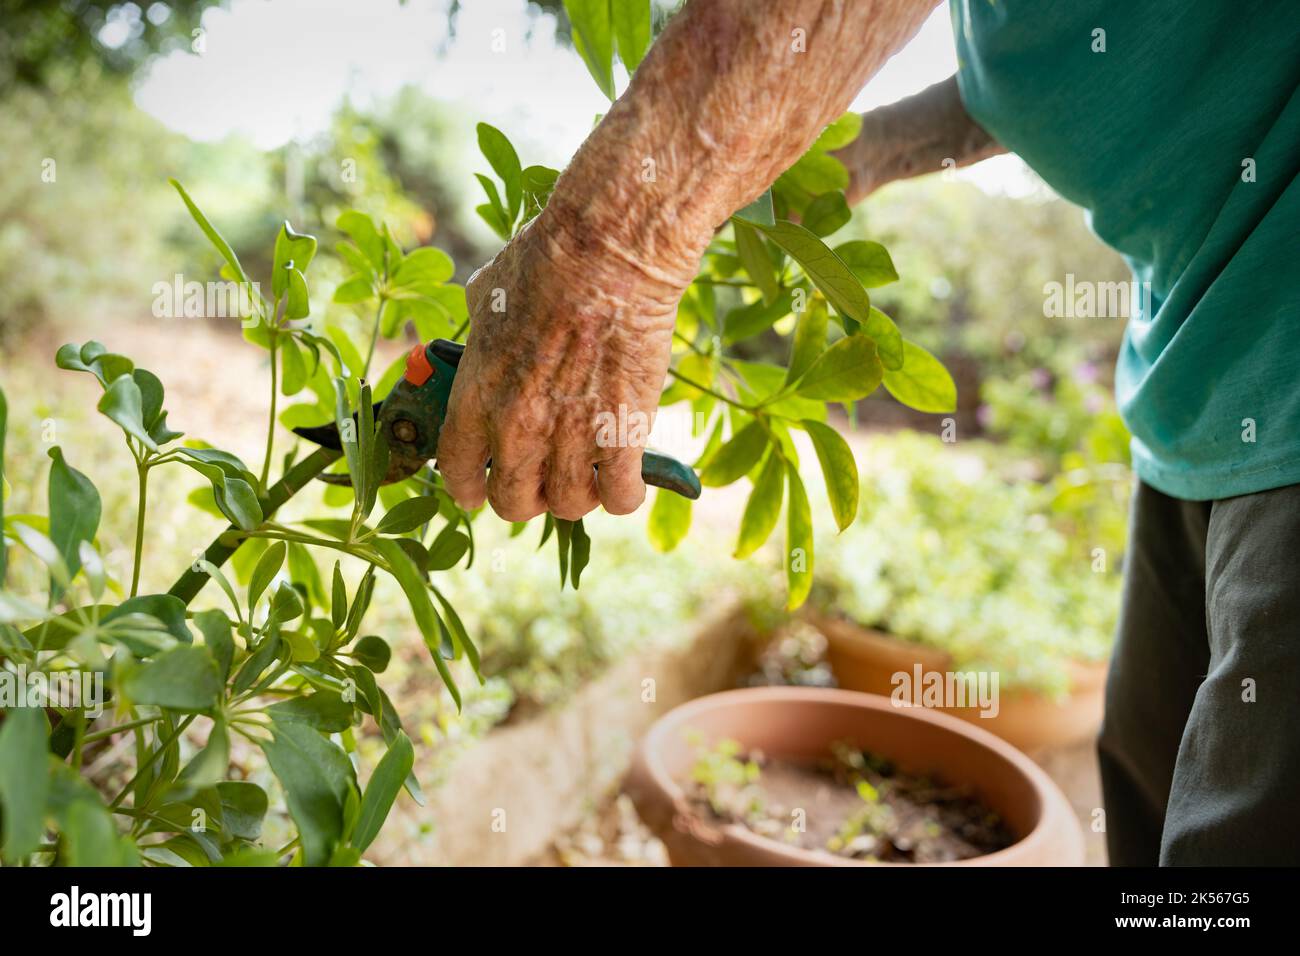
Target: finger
[[515, 485], [570, 487], [463, 451], [619, 483]]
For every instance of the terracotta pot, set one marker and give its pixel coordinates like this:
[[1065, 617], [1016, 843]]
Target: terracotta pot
[[802, 723], [867, 660]]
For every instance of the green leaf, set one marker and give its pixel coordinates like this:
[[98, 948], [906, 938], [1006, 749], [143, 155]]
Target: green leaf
[[881, 329], [422, 269], [268, 566], [151, 396], [325, 711], [763, 509], [798, 542], [24, 779], [243, 807], [74, 513], [735, 458], [361, 228], [167, 609], [814, 174], [209, 765], [231, 491], [922, 383], [338, 599], [631, 21], [286, 603], [839, 134], [460, 638], [749, 320], [670, 520], [90, 838], [759, 211], [214, 237], [845, 372], [495, 217], [840, 286], [292, 251], [838, 468], [579, 552], [317, 778], [215, 628], [869, 261], [355, 289], [539, 181], [809, 341], [426, 618], [382, 789], [255, 665], [447, 549], [408, 515], [827, 213], [44, 549], [373, 653], [297, 303], [754, 257], [503, 159], [124, 405], [183, 678], [594, 40]]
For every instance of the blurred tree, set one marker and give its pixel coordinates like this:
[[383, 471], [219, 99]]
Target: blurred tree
[[84, 205], [46, 42]]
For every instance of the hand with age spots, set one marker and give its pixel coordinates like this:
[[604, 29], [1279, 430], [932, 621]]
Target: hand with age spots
[[556, 347], [572, 322]]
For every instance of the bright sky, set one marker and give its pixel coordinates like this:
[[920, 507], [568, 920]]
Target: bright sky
[[274, 70]]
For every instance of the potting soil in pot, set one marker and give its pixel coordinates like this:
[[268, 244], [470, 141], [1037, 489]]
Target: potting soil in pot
[[855, 804]]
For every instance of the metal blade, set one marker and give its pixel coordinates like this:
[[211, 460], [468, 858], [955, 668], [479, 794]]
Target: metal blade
[[327, 436]]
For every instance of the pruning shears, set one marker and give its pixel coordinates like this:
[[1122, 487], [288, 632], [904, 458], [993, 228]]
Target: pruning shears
[[411, 417]]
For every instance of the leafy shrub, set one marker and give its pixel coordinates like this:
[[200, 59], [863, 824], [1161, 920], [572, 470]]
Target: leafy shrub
[[951, 554], [283, 665]]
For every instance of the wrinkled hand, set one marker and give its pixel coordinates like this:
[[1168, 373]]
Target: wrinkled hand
[[562, 373]]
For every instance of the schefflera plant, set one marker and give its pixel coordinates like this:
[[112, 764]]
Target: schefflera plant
[[282, 662], [771, 271]]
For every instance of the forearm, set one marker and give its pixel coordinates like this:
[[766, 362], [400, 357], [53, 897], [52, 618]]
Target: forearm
[[729, 96], [917, 135]]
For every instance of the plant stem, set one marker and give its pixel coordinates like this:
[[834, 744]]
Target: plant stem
[[708, 391], [142, 481], [190, 583], [149, 761], [120, 728], [374, 336], [270, 425]]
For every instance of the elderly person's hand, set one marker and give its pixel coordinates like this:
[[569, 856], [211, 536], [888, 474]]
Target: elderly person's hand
[[573, 321]]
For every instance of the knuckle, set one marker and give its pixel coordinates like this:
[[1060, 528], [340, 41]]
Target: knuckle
[[624, 501]]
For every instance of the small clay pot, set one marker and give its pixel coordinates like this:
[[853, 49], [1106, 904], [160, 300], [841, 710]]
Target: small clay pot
[[802, 724], [866, 660]]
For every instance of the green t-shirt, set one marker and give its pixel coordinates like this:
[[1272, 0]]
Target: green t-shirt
[[1182, 140]]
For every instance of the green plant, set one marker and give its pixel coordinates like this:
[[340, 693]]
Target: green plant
[[287, 669], [953, 554], [728, 778]]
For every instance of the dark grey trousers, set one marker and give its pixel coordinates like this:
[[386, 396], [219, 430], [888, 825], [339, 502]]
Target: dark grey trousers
[[1200, 746]]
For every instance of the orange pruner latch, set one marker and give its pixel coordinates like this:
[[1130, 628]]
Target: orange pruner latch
[[418, 368]]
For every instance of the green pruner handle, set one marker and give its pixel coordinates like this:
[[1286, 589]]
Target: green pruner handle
[[663, 471]]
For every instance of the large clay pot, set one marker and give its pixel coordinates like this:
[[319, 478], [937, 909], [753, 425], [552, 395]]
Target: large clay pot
[[801, 723], [867, 660]]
